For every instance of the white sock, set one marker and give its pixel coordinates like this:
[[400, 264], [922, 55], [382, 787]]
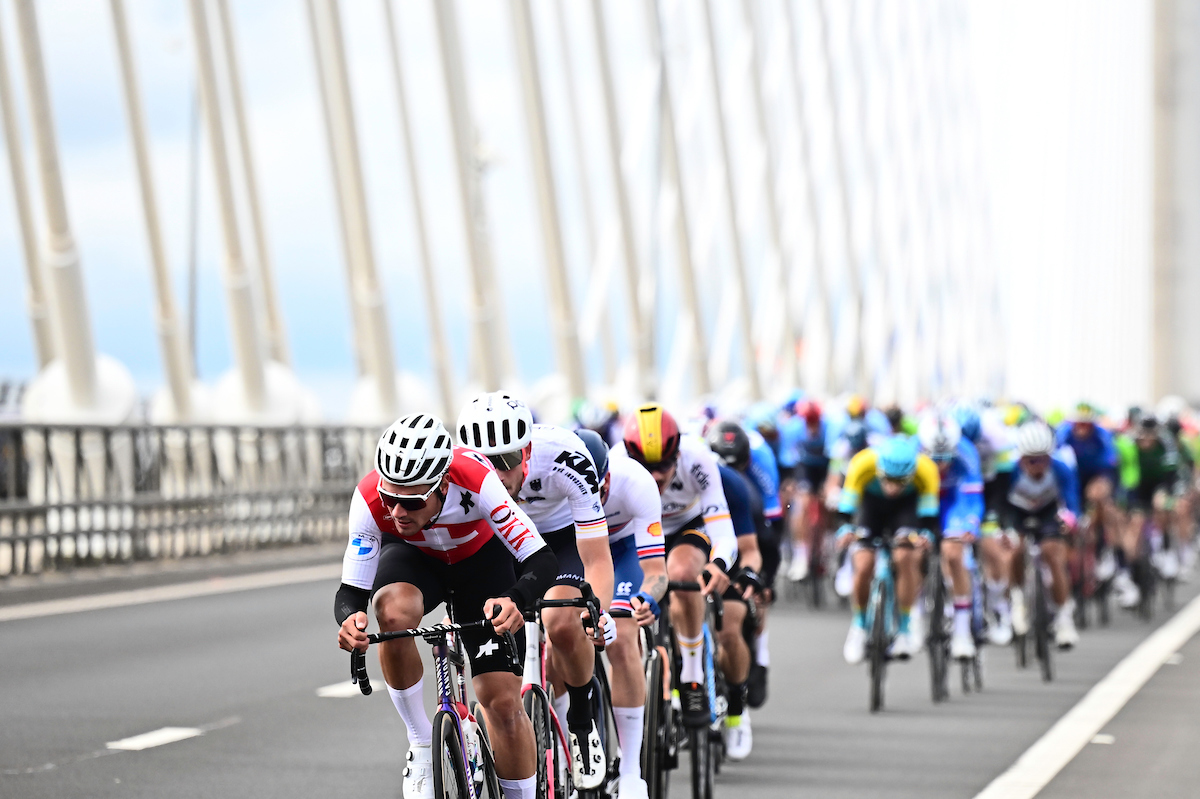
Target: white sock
[[629, 733], [561, 705], [411, 705], [962, 621], [996, 595], [692, 650], [762, 651], [519, 789], [799, 551]]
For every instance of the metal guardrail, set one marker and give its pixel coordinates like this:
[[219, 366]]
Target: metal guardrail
[[75, 495]]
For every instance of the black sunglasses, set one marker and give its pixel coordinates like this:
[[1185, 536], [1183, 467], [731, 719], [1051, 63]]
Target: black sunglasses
[[410, 502], [662, 467]]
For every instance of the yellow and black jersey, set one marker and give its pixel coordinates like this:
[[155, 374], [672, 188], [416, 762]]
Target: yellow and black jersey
[[862, 477]]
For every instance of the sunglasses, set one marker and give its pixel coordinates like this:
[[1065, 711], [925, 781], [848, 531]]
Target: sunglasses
[[896, 482], [410, 502], [662, 467], [507, 460]]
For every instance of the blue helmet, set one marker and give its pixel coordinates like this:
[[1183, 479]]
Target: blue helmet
[[855, 433], [597, 449], [898, 457], [968, 421]]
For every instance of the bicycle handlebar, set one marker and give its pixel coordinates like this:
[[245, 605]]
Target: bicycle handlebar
[[587, 600]]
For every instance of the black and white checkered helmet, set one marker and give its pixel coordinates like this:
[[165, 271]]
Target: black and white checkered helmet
[[495, 424], [415, 450]]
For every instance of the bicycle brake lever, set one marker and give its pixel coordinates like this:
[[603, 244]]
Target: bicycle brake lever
[[510, 642], [358, 672]]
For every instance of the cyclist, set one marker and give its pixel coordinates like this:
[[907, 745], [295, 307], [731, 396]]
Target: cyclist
[[810, 433], [854, 439], [993, 439], [630, 499], [432, 523], [1043, 501], [961, 514], [891, 489], [699, 534], [1171, 415], [763, 473], [548, 471], [1097, 460], [1160, 482]]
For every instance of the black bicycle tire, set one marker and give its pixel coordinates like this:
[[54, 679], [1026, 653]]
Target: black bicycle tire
[[491, 780], [537, 707], [448, 752], [653, 734], [607, 726], [702, 774], [878, 647], [977, 671], [937, 638], [1041, 623]]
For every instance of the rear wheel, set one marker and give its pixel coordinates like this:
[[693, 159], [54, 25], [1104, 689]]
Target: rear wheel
[[449, 773], [537, 707]]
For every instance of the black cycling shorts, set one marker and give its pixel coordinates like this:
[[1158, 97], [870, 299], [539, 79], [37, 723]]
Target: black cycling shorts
[[1041, 524], [692, 533], [882, 515], [995, 492], [811, 477], [465, 586], [570, 565]]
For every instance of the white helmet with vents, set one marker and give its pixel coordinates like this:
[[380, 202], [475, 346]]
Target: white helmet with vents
[[415, 450], [496, 423], [1035, 438], [939, 435]]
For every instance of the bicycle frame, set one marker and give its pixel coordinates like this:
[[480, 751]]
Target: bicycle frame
[[883, 575]]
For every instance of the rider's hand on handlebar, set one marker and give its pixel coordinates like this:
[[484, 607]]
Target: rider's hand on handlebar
[[353, 633], [606, 631], [717, 581], [643, 614], [509, 618]]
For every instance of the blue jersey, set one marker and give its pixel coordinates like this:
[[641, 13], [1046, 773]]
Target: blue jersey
[[1060, 485], [764, 476], [802, 447], [737, 494], [962, 492], [1094, 455]]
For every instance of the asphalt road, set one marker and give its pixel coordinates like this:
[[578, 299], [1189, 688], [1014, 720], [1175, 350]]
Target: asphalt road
[[243, 669]]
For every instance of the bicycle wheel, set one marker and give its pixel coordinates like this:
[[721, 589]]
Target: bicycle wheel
[[1041, 623], [878, 645], [606, 724], [537, 707], [702, 769], [487, 784], [977, 670], [449, 773], [938, 640], [654, 733]]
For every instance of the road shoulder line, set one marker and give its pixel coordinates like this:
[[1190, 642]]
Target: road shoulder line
[[1053, 751], [141, 596]]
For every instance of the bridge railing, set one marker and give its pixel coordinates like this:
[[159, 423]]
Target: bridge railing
[[74, 495]]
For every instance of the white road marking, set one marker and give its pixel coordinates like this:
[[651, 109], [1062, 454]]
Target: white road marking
[[141, 596], [1101, 738], [166, 735], [1175, 659], [1054, 750], [339, 690]]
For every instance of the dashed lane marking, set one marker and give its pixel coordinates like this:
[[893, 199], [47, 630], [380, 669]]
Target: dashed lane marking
[[1058, 747], [142, 596], [339, 690], [148, 740]]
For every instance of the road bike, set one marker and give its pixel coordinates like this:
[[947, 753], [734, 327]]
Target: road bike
[[463, 764], [661, 727], [937, 636], [1037, 595]]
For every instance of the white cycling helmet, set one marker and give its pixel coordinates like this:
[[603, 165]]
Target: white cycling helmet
[[415, 450], [496, 424], [939, 435], [1035, 438]]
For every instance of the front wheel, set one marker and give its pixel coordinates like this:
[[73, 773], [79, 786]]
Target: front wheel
[[654, 730], [449, 772], [537, 707], [878, 646], [1041, 624], [702, 765], [487, 782]]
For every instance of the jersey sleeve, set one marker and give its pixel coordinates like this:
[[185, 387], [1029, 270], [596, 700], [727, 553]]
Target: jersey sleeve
[[646, 512], [361, 560], [737, 495], [966, 510], [859, 473], [717, 522], [765, 474], [929, 486], [1068, 484], [576, 475], [510, 524]]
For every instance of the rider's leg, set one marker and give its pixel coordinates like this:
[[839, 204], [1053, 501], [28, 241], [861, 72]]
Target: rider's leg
[[908, 579], [509, 730], [400, 606], [955, 570], [572, 656], [734, 653], [799, 526], [684, 564], [628, 686], [864, 571], [1054, 552]]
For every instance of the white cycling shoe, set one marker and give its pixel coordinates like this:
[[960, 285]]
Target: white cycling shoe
[[905, 645], [843, 580], [590, 774], [1167, 564], [1000, 632], [962, 646], [1106, 567], [418, 772], [631, 786], [855, 648], [798, 570], [739, 739], [1065, 634], [1128, 594]]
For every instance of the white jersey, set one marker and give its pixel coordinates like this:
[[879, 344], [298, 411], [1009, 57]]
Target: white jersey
[[477, 507], [633, 508], [561, 486], [696, 491]]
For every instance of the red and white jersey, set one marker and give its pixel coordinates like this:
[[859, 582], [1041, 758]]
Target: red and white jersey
[[561, 487], [477, 507], [695, 490], [633, 507]]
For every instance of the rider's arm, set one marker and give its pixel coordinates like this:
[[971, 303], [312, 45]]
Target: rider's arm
[[705, 473], [576, 475], [737, 494], [360, 562], [536, 563], [645, 507], [765, 473], [1068, 484], [928, 483]]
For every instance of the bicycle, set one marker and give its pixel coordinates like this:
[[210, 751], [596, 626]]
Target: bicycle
[[660, 739], [463, 766], [550, 736], [1037, 575], [883, 618], [937, 639], [972, 668], [705, 742]]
